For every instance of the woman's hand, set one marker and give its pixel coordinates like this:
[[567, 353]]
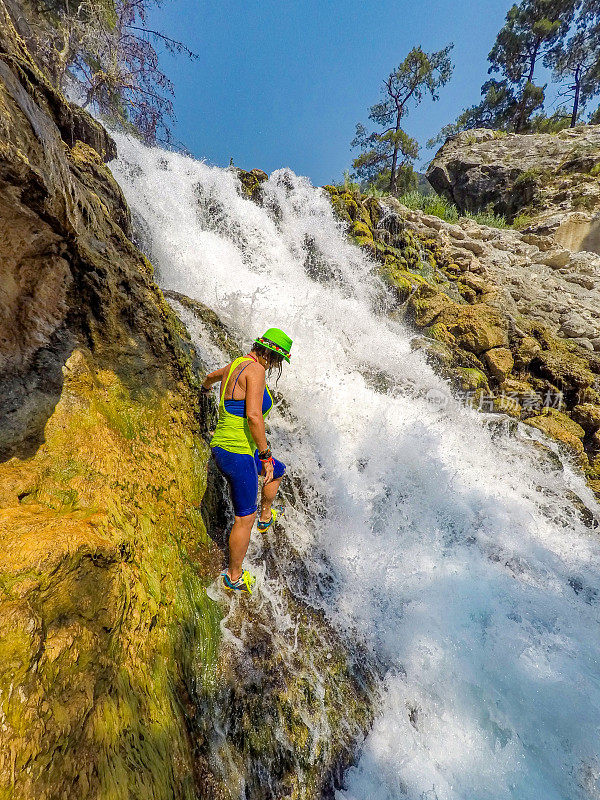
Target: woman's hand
[[267, 471]]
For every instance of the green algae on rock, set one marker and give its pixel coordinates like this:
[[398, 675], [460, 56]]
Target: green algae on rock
[[114, 674]]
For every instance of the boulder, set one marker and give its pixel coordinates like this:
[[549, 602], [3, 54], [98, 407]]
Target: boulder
[[555, 258], [560, 427], [500, 362], [588, 416], [527, 349], [562, 369], [477, 328], [574, 325], [428, 305], [550, 177]]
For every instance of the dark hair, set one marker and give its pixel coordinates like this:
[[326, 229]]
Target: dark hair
[[274, 360]]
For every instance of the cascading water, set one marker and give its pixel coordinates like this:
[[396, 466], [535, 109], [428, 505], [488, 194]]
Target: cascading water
[[450, 547]]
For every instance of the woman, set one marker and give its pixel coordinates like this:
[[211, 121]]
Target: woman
[[240, 447]]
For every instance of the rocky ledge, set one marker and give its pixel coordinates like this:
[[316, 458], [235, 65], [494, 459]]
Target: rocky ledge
[[548, 183]]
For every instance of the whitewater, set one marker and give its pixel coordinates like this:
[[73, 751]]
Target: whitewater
[[450, 545]]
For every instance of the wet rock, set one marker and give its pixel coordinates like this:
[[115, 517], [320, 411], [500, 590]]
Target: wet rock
[[560, 427], [500, 362]]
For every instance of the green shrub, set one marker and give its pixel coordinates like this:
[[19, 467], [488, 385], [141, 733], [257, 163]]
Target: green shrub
[[489, 218], [521, 221], [440, 207], [529, 177], [431, 204]]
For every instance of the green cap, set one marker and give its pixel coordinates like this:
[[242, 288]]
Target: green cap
[[276, 340]]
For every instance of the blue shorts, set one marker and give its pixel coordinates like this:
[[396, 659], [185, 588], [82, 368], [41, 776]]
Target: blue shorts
[[242, 471]]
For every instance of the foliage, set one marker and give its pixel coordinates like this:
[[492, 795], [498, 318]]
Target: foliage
[[564, 35], [575, 58], [494, 111], [387, 154], [530, 29], [106, 47], [521, 221], [441, 207], [540, 123]]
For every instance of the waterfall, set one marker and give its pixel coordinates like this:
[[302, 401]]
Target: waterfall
[[440, 539]]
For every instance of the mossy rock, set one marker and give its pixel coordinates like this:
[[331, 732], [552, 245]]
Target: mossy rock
[[468, 294], [593, 470], [427, 304], [251, 181], [507, 405], [398, 279], [440, 333], [527, 349], [499, 361], [477, 328], [364, 216], [563, 369], [361, 229], [464, 358], [561, 427], [106, 542], [471, 379], [367, 243], [338, 204], [588, 416], [595, 487], [350, 205], [437, 354], [373, 207], [589, 395]]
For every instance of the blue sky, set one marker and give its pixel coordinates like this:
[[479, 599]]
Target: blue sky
[[283, 84]]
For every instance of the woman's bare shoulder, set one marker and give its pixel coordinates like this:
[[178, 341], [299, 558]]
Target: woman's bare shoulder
[[255, 371]]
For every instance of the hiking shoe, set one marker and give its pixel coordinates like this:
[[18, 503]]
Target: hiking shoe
[[243, 584], [276, 511]]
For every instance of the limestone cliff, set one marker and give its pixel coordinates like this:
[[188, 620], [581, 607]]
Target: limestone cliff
[[549, 182], [115, 680]]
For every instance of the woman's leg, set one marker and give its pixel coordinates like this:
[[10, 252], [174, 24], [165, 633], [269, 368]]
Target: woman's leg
[[239, 539], [267, 496], [241, 474], [269, 490]]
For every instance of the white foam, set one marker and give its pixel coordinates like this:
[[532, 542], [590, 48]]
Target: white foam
[[456, 555]]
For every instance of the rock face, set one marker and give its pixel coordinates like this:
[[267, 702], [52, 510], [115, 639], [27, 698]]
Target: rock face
[[550, 180], [115, 681], [510, 318]]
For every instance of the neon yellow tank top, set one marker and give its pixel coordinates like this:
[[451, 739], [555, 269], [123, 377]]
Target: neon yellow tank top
[[232, 432]]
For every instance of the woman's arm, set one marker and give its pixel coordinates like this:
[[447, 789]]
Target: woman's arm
[[212, 378], [255, 388]]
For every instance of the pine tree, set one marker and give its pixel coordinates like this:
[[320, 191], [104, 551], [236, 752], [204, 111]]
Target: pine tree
[[575, 58], [530, 30], [392, 150]]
